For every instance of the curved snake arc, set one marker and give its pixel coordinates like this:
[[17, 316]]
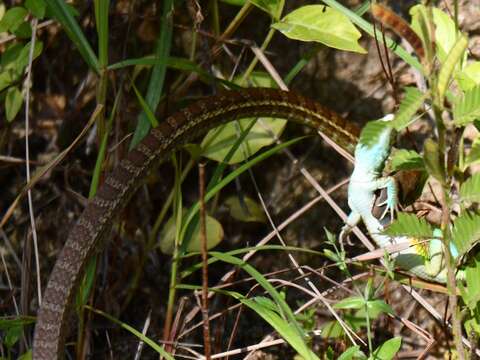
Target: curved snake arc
[[95, 221]]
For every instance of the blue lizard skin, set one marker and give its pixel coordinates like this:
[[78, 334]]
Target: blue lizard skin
[[424, 259]]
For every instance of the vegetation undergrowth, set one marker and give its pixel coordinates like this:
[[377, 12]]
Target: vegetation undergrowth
[[166, 72]]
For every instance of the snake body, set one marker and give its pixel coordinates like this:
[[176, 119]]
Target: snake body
[[94, 223]]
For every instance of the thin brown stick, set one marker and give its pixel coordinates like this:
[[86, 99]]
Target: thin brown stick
[[203, 240]]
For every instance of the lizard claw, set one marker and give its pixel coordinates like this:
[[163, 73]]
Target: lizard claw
[[390, 208]]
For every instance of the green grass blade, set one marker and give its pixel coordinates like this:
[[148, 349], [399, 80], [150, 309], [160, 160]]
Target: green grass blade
[[146, 109], [198, 266], [103, 150], [101, 21], [176, 63], [155, 86], [159, 349], [60, 11], [285, 310]]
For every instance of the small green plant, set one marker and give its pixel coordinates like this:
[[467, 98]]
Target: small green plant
[[451, 99]]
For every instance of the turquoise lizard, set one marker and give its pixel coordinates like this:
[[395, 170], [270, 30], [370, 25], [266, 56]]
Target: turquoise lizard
[[423, 259]]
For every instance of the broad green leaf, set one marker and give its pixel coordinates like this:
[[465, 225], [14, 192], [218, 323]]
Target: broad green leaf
[[376, 307], [214, 236], [13, 102], [10, 55], [353, 302], [403, 159], [22, 59], [431, 157], [467, 108], [12, 19], [24, 31], [8, 77], [412, 101], [470, 189], [245, 209], [351, 353], [445, 33], [451, 61], [410, 225], [271, 7], [474, 155], [322, 24], [36, 7], [218, 142], [388, 349], [469, 76], [466, 232]]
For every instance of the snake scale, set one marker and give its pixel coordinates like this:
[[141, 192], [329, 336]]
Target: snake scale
[[93, 225]]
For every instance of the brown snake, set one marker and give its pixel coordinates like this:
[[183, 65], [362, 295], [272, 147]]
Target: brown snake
[[86, 235]]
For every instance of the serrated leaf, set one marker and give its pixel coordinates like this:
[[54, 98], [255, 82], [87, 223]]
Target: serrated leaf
[[448, 66], [411, 102], [470, 189], [388, 349], [214, 236], [13, 18], [410, 225], [466, 232], [403, 159], [219, 141], [435, 167], [245, 209], [322, 24], [372, 131], [13, 103], [474, 155], [36, 7], [467, 107]]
